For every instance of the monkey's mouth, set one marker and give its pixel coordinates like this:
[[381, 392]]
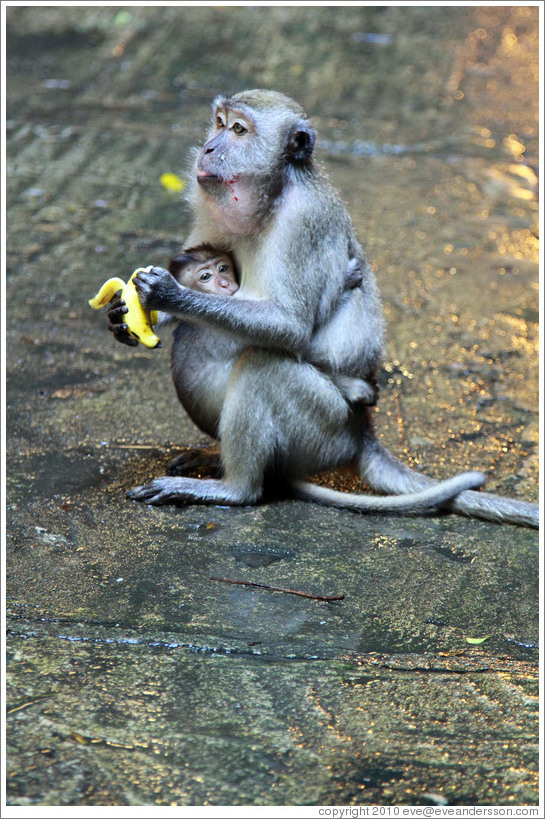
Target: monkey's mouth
[[204, 177], [210, 176]]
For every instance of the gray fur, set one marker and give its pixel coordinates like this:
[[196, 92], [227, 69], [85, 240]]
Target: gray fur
[[247, 368]]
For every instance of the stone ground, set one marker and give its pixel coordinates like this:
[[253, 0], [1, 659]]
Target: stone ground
[[133, 678]]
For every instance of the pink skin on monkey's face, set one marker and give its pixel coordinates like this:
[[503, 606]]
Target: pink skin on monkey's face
[[215, 276], [224, 168]]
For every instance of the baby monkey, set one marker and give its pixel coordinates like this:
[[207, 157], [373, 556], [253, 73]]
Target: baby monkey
[[205, 269], [209, 270]]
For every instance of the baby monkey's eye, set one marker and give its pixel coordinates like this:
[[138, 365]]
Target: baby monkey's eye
[[223, 268], [239, 128], [205, 276]]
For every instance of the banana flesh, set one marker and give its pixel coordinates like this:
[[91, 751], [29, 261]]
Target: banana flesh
[[139, 319]]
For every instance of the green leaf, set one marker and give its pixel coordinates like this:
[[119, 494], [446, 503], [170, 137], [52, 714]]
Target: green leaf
[[476, 640], [122, 18]]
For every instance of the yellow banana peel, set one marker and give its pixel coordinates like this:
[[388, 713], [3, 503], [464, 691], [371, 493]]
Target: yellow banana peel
[[139, 319]]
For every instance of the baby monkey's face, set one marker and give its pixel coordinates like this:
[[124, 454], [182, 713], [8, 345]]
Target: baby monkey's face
[[214, 275]]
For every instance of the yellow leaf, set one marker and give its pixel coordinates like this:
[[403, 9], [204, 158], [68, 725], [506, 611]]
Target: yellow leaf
[[476, 640], [171, 182]]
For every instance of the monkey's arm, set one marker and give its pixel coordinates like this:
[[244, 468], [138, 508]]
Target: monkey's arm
[[263, 322]]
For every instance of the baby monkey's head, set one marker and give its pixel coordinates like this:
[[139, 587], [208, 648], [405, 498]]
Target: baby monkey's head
[[205, 269]]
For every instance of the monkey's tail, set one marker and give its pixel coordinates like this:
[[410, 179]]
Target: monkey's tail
[[413, 502], [385, 473]]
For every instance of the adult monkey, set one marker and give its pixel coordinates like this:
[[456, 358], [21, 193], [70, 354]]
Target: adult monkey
[[241, 365]]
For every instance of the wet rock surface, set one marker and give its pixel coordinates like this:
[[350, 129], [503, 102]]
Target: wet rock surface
[[133, 677]]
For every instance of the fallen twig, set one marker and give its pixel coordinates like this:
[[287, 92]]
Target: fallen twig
[[325, 597], [133, 446], [27, 704]]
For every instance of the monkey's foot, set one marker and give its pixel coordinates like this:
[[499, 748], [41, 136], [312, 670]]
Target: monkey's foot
[[363, 393], [185, 491], [356, 390], [196, 463]]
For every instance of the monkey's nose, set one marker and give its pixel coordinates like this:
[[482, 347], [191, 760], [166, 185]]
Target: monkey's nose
[[210, 146]]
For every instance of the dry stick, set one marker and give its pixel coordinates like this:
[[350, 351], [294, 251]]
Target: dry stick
[[27, 704], [324, 597]]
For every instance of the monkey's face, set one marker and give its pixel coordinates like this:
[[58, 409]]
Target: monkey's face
[[225, 154], [252, 137], [215, 275], [256, 140]]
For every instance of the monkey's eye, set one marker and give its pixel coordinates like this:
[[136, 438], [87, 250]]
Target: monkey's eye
[[205, 276], [239, 128], [223, 268], [219, 121]]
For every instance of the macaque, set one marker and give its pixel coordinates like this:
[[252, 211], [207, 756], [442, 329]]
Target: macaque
[[213, 271], [205, 270], [247, 369]]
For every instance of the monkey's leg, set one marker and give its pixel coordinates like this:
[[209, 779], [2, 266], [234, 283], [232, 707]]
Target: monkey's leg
[[245, 452], [277, 414], [385, 473], [304, 425], [285, 419], [241, 486]]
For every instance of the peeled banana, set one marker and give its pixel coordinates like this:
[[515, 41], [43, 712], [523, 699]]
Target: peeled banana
[[139, 319]]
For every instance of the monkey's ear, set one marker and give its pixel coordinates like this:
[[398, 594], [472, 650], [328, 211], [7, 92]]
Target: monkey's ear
[[180, 261], [301, 142]]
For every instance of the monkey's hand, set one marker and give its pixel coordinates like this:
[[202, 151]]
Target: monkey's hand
[[157, 288], [129, 314], [116, 322]]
